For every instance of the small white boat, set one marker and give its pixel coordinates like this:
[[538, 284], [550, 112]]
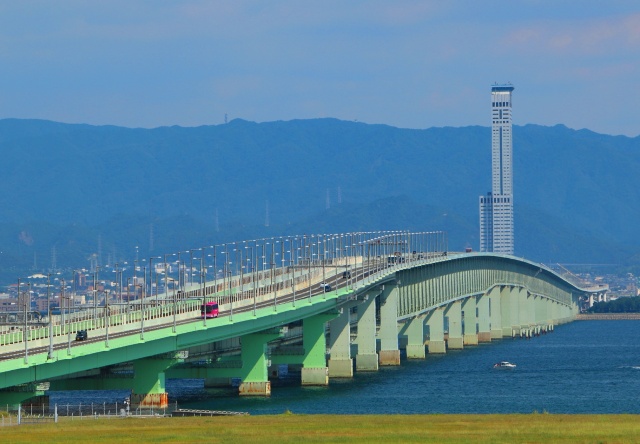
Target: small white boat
[[504, 364]]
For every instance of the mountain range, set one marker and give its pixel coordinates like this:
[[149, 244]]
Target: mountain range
[[70, 191]]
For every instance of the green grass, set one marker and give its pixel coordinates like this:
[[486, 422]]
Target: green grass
[[292, 428]]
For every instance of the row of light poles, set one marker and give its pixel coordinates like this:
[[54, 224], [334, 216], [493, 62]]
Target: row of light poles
[[257, 257]]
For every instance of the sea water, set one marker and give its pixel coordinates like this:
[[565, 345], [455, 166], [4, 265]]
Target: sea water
[[582, 367]]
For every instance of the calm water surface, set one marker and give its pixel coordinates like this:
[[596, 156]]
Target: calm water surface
[[582, 367]]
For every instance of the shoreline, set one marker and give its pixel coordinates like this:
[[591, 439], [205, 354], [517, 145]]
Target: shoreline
[[607, 316]]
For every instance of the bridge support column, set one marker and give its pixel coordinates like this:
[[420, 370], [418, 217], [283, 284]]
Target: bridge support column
[[389, 351], [470, 324], [552, 312], [454, 313], [435, 322], [525, 306], [148, 385], [367, 358], [549, 319], [254, 372], [340, 361], [505, 311], [561, 314], [495, 313], [314, 365], [484, 318], [415, 338], [558, 313], [539, 317], [514, 308]]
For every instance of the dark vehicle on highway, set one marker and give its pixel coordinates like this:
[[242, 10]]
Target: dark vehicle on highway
[[81, 335], [325, 287]]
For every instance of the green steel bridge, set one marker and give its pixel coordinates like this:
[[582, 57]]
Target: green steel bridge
[[328, 304]]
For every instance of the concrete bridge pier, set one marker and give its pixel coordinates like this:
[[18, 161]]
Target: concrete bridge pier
[[340, 361], [435, 322], [506, 312], [254, 372], [540, 311], [314, 364], [484, 318], [367, 357], [527, 319], [495, 312], [388, 333], [454, 313], [414, 329], [148, 384], [548, 319], [561, 314], [470, 325], [514, 303]]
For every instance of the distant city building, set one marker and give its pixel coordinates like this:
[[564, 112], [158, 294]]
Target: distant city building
[[496, 208]]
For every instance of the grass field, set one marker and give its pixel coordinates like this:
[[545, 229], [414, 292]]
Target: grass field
[[290, 428]]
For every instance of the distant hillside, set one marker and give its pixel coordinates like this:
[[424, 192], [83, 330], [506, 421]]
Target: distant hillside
[[66, 186]]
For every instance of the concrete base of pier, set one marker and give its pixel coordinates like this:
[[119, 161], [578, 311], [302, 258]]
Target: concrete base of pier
[[496, 333], [470, 339], [389, 357], [484, 336], [255, 389], [341, 368], [455, 343], [437, 347], [416, 351], [367, 363], [315, 376]]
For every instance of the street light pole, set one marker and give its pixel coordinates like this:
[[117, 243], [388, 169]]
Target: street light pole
[[249, 261], [66, 302], [50, 355], [166, 278], [142, 313], [24, 332], [174, 303], [107, 318], [95, 297], [150, 276]]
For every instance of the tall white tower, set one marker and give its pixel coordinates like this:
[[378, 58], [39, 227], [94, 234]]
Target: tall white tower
[[496, 208]]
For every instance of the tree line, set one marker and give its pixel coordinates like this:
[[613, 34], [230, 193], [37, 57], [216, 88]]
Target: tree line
[[620, 305]]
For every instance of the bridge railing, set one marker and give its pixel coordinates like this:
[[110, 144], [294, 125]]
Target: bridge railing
[[246, 273]]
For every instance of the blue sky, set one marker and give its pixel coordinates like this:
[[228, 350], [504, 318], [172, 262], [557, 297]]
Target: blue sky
[[410, 64]]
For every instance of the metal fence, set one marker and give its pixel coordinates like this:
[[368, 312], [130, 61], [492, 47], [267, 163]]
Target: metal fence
[[37, 413]]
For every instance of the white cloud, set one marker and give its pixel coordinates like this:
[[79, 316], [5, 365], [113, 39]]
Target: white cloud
[[595, 37]]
